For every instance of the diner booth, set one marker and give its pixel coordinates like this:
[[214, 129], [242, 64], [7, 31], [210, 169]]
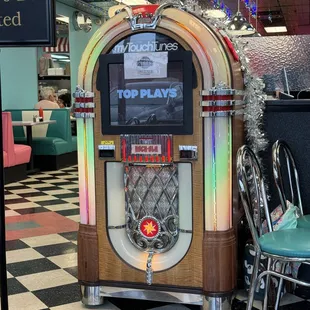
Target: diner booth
[[53, 142]]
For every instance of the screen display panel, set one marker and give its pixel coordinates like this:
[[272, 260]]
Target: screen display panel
[[137, 102], [146, 86]]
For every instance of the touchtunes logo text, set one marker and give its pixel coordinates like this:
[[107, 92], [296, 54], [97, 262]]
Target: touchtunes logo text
[[149, 46]]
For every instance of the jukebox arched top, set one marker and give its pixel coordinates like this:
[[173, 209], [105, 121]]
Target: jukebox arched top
[[186, 31]]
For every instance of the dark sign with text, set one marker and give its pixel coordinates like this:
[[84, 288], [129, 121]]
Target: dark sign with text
[[27, 23]]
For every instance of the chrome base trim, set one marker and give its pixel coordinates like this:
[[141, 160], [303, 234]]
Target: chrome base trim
[[152, 295], [217, 303], [91, 295], [94, 296]]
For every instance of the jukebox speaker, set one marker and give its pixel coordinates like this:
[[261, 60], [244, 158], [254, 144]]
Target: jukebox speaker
[[157, 134]]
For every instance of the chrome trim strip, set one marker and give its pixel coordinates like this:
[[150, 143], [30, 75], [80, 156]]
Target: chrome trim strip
[[217, 114], [124, 226], [84, 115], [142, 294], [148, 164], [218, 92], [117, 227], [134, 19], [221, 103], [185, 231]]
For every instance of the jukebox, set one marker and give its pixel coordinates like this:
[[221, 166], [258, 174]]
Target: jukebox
[[157, 133]]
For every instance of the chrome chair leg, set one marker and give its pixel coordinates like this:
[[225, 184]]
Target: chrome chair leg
[[253, 281], [280, 288], [267, 284]]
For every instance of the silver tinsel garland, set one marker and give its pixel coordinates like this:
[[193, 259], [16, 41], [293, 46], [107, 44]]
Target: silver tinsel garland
[[254, 97], [254, 101]]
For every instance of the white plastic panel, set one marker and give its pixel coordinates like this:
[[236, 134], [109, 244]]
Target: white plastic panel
[[116, 217], [115, 194]]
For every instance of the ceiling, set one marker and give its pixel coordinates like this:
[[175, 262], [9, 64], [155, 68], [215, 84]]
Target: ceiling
[[294, 14]]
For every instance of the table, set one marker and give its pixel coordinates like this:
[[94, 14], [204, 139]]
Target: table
[[29, 125]]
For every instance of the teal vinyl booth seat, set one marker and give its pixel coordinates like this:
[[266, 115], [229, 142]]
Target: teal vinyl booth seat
[[53, 145]]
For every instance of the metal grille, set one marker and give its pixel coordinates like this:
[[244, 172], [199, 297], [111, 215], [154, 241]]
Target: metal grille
[[152, 192]]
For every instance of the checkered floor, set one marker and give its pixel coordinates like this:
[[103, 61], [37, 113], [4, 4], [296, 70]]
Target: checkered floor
[[42, 215], [42, 269], [288, 302], [55, 191]]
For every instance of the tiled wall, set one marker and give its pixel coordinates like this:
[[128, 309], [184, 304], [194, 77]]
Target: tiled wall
[[269, 55]]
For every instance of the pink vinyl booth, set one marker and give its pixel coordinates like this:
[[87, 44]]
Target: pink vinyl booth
[[15, 156]]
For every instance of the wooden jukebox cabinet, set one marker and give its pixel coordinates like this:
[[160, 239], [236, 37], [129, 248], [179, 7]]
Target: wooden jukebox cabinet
[[157, 135]]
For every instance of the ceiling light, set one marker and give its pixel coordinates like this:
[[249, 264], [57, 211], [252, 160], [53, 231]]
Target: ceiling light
[[64, 60], [239, 26], [59, 56], [276, 29]]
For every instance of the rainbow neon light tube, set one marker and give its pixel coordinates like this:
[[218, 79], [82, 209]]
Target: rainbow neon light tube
[[218, 174], [91, 171], [82, 160], [84, 117], [83, 193]]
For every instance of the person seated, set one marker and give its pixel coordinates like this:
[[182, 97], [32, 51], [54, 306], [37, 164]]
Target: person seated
[[64, 100], [49, 99], [61, 104]]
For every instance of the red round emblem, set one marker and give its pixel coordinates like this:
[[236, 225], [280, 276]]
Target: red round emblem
[[149, 227]]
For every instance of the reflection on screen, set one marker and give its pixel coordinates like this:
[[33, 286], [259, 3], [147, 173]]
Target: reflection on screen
[[148, 101]]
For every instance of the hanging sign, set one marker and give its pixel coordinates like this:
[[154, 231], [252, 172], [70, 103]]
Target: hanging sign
[[145, 65], [27, 23]]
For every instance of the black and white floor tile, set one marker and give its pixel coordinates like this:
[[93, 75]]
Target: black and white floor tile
[[55, 191], [42, 272], [288, 302]]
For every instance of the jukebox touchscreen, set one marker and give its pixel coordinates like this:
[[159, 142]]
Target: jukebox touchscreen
[[156, 134], [151, 92]]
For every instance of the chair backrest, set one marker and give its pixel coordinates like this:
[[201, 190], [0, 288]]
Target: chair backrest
[[7, 132], [284, 168], [252, 192], [8, 138]]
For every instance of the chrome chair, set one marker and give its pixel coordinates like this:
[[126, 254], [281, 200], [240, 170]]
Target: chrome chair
[[282, 158], [283, 246]]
